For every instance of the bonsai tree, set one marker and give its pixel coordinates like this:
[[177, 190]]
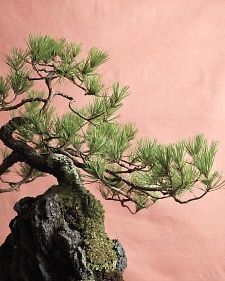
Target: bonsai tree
[[87, 143]]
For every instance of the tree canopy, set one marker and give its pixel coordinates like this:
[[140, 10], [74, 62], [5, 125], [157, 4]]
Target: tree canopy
[[102, 149]]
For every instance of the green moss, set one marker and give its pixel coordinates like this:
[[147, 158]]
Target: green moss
[[86, 214], [68, 170]]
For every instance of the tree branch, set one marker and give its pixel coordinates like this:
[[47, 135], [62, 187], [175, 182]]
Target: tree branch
[[190, 199], [89, 119], [50, 93], [9, 161], [24, 101], [50, 163], [63, 95], [16, 185]]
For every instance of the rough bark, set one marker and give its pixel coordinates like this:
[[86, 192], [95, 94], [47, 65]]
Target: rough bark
[[60, 235]]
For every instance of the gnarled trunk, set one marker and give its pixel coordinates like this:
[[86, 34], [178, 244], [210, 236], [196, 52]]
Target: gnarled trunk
[[60, 235]]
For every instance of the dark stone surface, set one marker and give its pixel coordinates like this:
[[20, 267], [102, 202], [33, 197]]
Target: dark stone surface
[[43, 246]]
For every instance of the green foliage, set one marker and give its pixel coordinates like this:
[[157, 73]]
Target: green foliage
[[66, 128], [96, 166], [42, 121], [110, 139], [93, 85], [178, 151], [119, 93], [90, 134], [141, 200], [32, 94], [176, 167], [44, 48], [106, 105], [194, 146], [146, 151], [95, 58], [68, 66], [38, 124], [29, 129], [65, 69], [4, 88], [17, 59], [19, 82], [69, 51], [203, 155]]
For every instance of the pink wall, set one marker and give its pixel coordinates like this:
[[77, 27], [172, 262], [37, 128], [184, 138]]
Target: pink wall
[[172, 54]]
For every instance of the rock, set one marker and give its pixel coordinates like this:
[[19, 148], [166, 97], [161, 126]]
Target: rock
[[122, 259], [54, 238]]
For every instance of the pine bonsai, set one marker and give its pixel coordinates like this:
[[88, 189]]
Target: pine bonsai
[[87, 143]]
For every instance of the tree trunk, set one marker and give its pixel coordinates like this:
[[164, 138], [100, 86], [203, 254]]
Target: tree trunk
[[60, 236]]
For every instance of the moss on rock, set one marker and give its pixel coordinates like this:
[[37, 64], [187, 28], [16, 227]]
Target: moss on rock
[[82, 211]]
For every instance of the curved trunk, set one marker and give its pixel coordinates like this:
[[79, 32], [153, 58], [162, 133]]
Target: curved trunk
[[59, 235]]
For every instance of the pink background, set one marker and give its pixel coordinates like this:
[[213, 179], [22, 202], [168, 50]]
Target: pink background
[[172, 54]]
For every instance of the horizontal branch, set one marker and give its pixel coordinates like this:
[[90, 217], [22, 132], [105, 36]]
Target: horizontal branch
[[9, 189], [15, 186], [63, 95], [190, 199], [24, 101], [75, 83], [145, 190], [35, 78], [89, 119]]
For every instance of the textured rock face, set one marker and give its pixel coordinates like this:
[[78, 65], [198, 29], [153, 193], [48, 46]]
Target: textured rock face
[[60, 236]]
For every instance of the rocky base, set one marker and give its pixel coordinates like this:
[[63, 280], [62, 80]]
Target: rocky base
[[60, 236]]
